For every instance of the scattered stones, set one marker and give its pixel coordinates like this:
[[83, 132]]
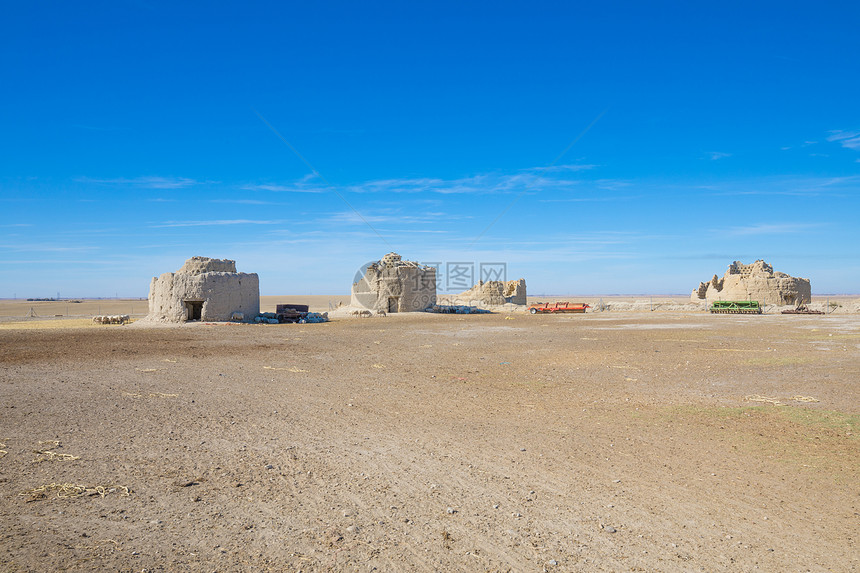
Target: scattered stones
[[609, 529]]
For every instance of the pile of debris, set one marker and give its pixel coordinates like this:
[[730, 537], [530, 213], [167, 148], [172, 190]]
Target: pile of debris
[[457, 309], [304, 318]]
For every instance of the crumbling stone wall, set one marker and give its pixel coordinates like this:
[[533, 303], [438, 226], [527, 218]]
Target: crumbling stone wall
[[756, 281], [395, 285], [200, 265], [496, 293], [210, 288]]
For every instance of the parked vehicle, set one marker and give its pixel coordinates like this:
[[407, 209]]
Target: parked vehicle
[[736, 307], [552, 308]]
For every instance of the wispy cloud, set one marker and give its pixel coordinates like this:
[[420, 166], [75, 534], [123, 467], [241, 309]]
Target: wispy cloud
[[275, 188], [804, 144], [47, 248], [772, 229], [480, 184], [715, 155], [243, 201], [310, 183], [214, 223], [849, 139], [483, 184], [151, 182], [425, 231], [562, 168], [593, 199], [389, 217], [788, 186]]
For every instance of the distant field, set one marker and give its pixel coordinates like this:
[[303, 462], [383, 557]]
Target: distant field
[[87, 308]]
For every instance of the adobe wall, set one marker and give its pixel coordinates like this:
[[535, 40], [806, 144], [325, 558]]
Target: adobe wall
[[495, 293], [394, 285], [198, 265], [222, 292], [756, 281]]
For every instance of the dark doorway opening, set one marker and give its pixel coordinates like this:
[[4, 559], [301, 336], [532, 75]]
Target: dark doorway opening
[[195, 309], [392, 304]]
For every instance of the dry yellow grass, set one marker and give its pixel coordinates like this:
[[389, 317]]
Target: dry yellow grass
[[73, 490], [50, 324]]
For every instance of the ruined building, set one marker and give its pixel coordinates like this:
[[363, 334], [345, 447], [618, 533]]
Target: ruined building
[[757, 281], [495, 293], [204, 289], [395, 285]]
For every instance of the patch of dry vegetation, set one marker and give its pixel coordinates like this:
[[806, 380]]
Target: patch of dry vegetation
[[68, 490]]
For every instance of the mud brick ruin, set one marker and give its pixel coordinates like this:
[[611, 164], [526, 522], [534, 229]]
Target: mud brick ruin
[[204, 289], [757, 281], [494, 293], [395, 285]]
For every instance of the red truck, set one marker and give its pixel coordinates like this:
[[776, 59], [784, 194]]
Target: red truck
[[551, 307]]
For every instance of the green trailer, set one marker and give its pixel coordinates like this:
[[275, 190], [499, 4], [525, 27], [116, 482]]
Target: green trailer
[[735, 307]]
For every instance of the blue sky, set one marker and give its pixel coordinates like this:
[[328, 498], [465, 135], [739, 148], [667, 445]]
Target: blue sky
[[592, 147]]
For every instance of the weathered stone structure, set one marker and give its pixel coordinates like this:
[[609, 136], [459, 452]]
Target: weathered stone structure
[[494, 293], [204, 289], [395, 285], [757, 281]]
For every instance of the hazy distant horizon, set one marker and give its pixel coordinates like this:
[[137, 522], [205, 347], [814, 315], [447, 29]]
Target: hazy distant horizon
[[347, 295]]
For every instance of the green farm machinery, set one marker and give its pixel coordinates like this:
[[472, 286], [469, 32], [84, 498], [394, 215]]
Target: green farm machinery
[[735, 307]]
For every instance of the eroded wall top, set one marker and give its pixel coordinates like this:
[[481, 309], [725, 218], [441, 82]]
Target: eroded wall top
[[756, 281], [199, 265]]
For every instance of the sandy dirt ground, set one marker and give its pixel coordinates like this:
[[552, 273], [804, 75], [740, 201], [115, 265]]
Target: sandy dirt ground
[[597, 442]]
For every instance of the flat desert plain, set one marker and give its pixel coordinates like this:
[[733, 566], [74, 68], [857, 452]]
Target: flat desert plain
[[653, 441]]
